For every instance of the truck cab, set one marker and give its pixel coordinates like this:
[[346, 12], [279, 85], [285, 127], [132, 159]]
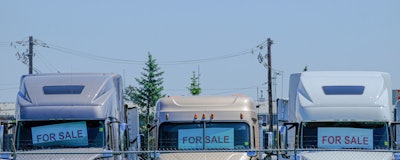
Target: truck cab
[[339, 113]]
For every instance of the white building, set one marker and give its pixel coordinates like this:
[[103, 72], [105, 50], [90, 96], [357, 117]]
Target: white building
[[7, 110]]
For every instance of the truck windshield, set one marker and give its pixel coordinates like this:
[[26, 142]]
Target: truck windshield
[[206, 135], [351, 135], [59, 134]]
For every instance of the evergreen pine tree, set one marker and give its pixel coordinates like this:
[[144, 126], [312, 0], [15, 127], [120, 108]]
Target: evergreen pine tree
[[146, 94], [194, 85]]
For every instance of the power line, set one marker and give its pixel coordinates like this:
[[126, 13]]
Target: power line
[[47, 63], [8, 84], [237, 89], [34, 68], [224, 90], [27, 57], [8, 88], [127, 61], [207, 59], [92, 56], [5, 44], [21, 55]]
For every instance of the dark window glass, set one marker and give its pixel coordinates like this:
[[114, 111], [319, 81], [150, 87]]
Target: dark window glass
[[211, 135], [68, 89], [343, 90], [25, 130], [380, 135], [241, 134], [168, 133]]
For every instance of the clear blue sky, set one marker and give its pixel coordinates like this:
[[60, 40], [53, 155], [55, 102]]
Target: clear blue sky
[[219, 37]]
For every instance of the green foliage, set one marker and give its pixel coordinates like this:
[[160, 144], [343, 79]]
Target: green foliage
[[194, 85], [146, 94], [149, 88]]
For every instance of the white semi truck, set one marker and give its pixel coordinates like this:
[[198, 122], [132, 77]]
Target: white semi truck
[[338, 115], [206, 127], [72, 116]]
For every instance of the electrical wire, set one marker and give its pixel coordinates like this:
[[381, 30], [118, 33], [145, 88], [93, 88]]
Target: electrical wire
[[126, 61], [5, 44], [207, 59], [8, 88], [8, 84], [65, 50], [73, 52], [224, 90], [61, 49], [92, 56], [48, 65]]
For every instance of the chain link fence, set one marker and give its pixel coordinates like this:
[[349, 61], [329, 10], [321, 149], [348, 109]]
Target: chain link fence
[[309, 154]]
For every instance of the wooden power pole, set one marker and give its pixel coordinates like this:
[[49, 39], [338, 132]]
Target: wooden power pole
[[30, 54], [269, 43]]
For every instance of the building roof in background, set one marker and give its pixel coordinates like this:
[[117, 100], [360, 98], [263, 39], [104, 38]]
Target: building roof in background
[[7, 110]]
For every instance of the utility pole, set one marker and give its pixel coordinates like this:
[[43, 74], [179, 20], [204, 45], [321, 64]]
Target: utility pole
[[27, 56], [268, 65], [269, 43], [30, 54]]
